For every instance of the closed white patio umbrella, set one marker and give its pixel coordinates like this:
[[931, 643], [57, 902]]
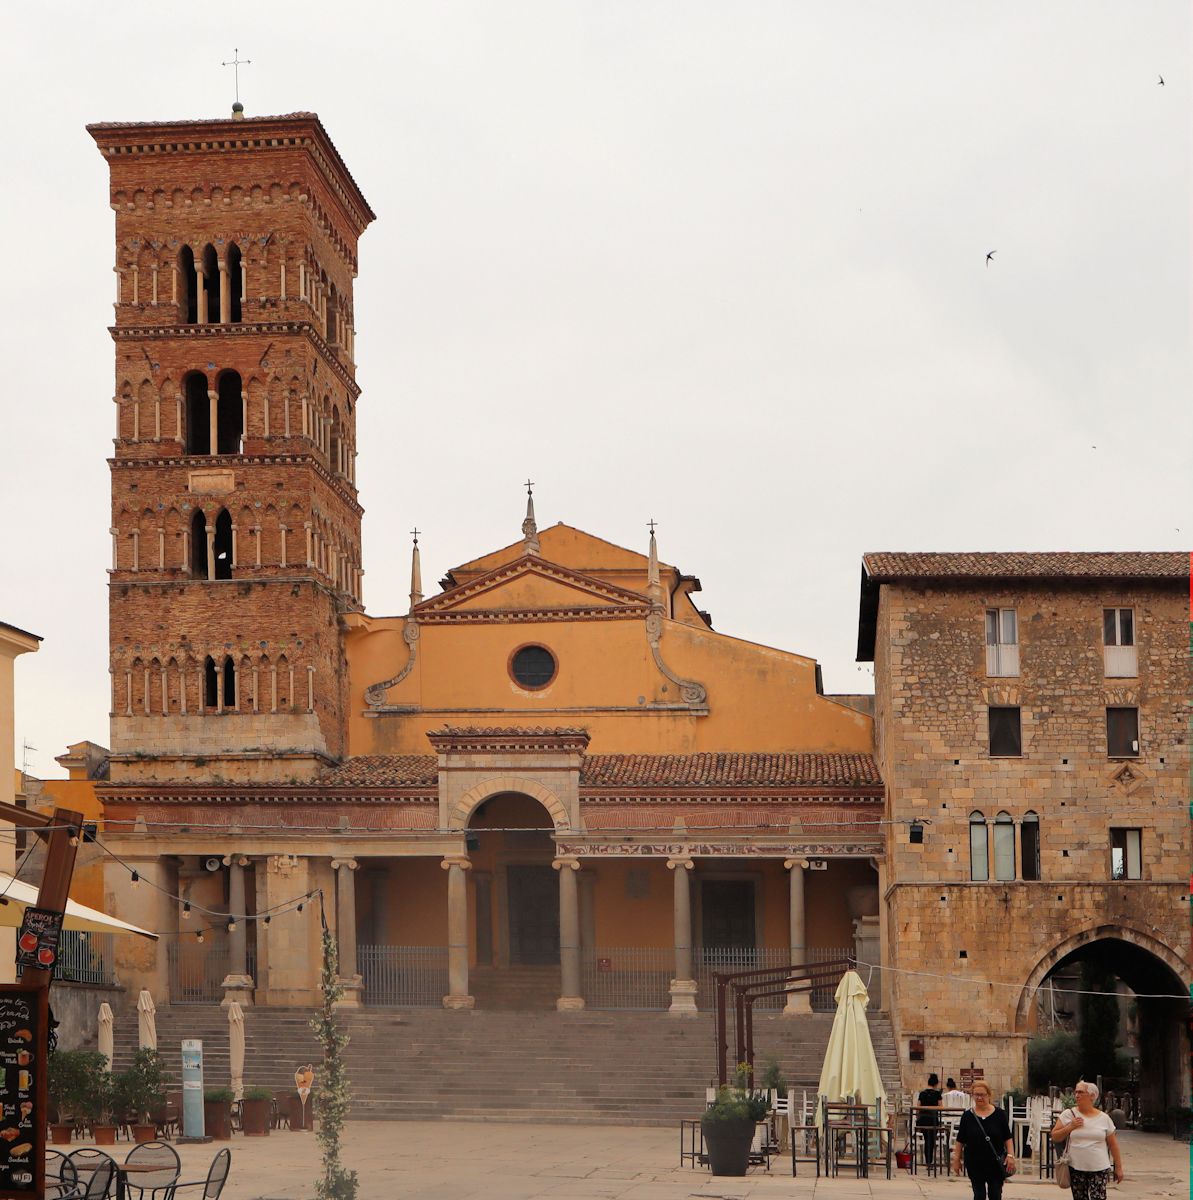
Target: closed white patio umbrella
[[236, 1049], [850, 1068], [106, 1039], [146, 1021]]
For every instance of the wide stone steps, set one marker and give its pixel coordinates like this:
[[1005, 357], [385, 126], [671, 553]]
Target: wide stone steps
[[506, 1065]]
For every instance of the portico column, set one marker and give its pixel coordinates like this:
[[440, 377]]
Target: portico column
[[238, 984], [570, 999], [457, 933], [347, 976], [801, 1001], [683, 986]]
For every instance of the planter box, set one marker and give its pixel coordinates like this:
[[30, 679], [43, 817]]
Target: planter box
[[254, 1118], [217, 1119], [60, 1134], [144, 1133], [104, 1135]]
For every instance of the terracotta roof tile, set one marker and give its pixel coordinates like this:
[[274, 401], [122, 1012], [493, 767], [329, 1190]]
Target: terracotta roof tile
[[1135, 564], [719, 770], [638, 770]]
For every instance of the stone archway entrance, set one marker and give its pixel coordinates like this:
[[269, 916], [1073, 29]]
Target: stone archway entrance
[[1159, 979]]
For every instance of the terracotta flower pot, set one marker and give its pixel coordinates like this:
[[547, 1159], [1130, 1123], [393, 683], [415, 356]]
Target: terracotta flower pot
[[104, 1135], [217, 1119], [254, 1118], [144, 1133], [60, 1134]]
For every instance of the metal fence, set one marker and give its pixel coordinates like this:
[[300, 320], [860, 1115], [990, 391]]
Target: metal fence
[[713, 962], [197, 972], [627, 977], [85, 958], [403, 976]]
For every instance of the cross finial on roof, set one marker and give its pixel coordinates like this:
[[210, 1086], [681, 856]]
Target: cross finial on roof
[[416, 572], [530, 529], [414, 534], [530, 487], [236, 62], [653, 587], [652, 525]]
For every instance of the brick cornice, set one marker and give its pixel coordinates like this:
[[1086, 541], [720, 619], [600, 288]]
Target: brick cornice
[[241, 329], [452, 740]]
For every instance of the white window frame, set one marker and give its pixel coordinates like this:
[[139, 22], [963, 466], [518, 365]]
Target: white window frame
[[982, 844], [1122, 659], [1004, 848], [1002, 643]]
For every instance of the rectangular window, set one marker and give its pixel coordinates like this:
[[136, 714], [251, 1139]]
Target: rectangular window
[[1005, 738], [1029, 844], [1002, 642], [979, 853], [1122, 732], [1126, 859], [1118, 636]]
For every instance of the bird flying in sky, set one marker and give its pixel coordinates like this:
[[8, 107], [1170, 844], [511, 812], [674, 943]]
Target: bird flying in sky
[[990, 256], [1160, 82]]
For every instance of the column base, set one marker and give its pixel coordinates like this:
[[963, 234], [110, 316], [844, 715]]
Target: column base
[[569, 1004], [238, 988], [353, 986], [459, 1001], [798, 1004], [683, 998]]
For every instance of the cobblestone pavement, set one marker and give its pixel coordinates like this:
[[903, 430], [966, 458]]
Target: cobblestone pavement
[[458, 1160]]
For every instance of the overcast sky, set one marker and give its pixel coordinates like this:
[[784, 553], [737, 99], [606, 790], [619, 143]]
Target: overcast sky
[[720, 264]]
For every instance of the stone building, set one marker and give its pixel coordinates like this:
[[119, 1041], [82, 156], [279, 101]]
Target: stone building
[[1031, 722]]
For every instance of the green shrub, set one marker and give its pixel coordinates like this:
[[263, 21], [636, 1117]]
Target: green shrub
[[78, 1084], [218, 1095], [772, 1077], [257, 1092], [1056, 1059], [141, 1090]]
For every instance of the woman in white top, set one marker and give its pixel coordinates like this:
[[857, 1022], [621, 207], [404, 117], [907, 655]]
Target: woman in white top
[[1092, 1144]]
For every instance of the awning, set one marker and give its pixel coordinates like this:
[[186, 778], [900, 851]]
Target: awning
[[16, 896]]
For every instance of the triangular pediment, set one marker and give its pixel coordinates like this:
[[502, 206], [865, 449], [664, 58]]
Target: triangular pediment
[[530, 588]]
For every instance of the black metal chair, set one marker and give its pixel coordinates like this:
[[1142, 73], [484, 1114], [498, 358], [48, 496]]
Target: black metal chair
[[846, 1140], [805, 1147], [157, 1182], [691, 1144], [217, 1176], [96, 1172], [61, 1176]]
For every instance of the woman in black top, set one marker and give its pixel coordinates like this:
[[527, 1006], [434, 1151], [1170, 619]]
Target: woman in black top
[[985, 1133], [930, 1097]]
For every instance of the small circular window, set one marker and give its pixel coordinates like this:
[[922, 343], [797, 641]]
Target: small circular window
[[533, 666]]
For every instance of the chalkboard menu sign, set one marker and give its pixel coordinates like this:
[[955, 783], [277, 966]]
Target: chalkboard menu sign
[[24, 1022]]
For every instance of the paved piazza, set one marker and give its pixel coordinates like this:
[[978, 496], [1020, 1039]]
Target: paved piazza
[[457, 1160]]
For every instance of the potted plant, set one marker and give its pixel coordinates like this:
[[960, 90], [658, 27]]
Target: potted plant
[[217, 1113], [99, 1098], [773, 1079], [66, 1091], [729, 1124], [255, 1111], [142, 1091]]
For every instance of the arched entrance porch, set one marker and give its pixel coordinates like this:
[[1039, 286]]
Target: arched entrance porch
[[1159, 980]]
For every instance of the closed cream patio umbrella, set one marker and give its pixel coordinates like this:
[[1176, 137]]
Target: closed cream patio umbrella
[[850, 1070], [236, 1049], [146, 1021], [106, 1039]]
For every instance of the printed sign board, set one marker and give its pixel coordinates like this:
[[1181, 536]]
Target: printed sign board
[[969, 1075], [24, 1033], [37, 943]]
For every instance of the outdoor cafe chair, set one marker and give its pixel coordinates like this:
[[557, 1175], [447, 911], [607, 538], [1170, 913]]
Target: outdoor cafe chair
[[97, 1171], [847, 1129], [158, 1182], [217, 1176], [61, 1176]]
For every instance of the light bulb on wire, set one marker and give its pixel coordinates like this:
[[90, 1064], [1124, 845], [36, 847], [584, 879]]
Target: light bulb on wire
[[199, 936], [136, 878], [231, 924], [186, 910]]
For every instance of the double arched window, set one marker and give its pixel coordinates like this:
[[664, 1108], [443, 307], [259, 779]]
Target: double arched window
[[219, 684], [1004, 847], [214, 560], [225, 433], [205, 296]]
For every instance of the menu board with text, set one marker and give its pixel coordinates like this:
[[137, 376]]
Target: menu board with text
[[23, 1051]]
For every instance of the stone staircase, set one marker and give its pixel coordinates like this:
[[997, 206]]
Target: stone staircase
[[588, 1067]]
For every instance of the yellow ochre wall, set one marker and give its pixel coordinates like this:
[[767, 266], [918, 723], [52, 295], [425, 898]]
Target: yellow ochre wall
[[759, 699]]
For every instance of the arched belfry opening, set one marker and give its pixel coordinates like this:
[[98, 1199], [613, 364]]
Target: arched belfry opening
[[188, 292], [221, 545], [230, 413], [235, 282], [199, 544], [198, 413], [1122, 1001], [510, 843], [209, 302]]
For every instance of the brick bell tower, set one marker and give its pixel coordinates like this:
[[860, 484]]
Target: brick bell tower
[[235, 520]]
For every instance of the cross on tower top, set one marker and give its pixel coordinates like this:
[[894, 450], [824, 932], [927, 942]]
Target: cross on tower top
[[530, 487], [651, 525], [414, 533], [236, 62]]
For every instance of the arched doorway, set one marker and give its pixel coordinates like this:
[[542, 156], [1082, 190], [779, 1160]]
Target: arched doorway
[[1151, 1024], [516, 889]]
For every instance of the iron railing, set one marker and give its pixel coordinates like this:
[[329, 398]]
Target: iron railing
[[197, 972], [627, 977], [710, 962], [403, 976], [85, 957]]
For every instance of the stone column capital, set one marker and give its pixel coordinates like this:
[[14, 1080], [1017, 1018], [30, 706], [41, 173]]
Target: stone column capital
[[680, 861], [349, 864], [789, 864], [566, 860], [456, 860]]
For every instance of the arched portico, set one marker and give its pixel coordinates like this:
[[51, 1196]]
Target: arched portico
[[460, 813], [1161, 980]]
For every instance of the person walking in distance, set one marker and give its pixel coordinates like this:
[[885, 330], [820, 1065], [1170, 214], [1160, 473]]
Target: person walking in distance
[[1092, 1144], [954, 1097], [985, 1136], [929, 1121]]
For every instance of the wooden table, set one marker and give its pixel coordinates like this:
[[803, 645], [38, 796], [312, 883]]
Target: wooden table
[[122, 1171]]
